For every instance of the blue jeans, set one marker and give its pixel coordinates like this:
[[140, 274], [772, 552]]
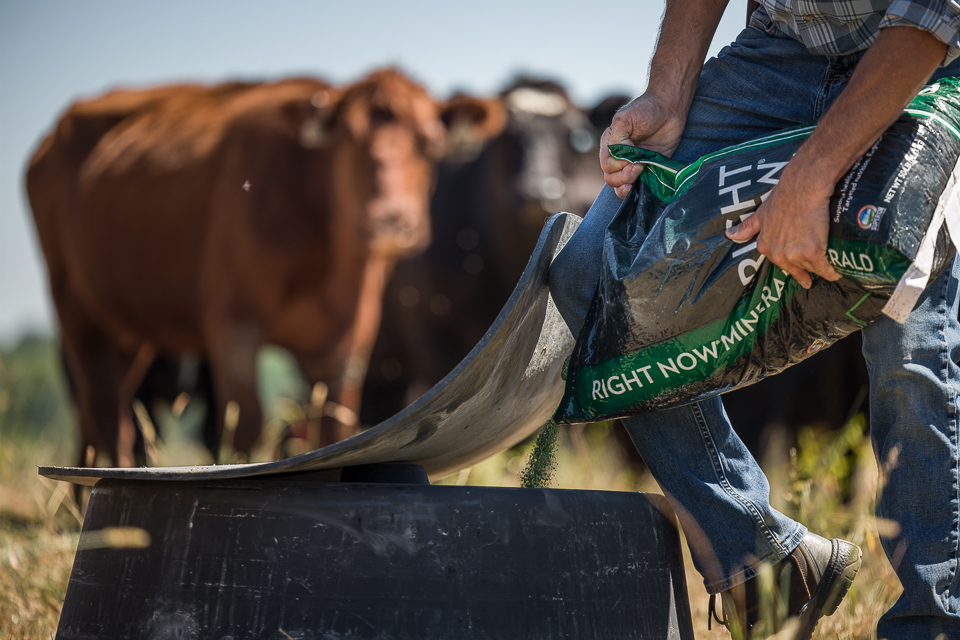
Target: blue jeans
[[759, 84]]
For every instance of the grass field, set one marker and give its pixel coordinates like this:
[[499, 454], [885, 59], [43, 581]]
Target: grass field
[[827, 482]]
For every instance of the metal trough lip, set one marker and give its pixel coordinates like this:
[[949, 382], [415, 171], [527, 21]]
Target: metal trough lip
[[505, 389]]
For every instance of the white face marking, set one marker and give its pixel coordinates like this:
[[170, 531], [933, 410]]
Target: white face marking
[[538, 102]]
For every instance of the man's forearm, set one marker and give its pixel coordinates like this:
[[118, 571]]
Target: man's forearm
[[890, 74], [685, 35], [792, 225]]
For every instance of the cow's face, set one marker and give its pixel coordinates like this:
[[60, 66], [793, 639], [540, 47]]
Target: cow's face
[[550, 149], [392, 136]]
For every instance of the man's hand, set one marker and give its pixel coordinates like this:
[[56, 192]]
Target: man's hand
[[793, 224], [646, 122], [655, 120]]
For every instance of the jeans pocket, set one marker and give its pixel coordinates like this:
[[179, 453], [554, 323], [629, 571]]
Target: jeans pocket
[[761, 21]]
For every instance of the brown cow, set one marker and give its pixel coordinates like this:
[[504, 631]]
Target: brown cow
[[212, 220]]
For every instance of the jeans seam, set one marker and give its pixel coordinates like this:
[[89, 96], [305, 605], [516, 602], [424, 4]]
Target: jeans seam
[[835, 74], [825, 82], [951, 404], [956, 503], [729, 490]]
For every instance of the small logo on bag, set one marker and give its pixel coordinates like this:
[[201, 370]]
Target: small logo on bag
[[816, 346], [865, 216]]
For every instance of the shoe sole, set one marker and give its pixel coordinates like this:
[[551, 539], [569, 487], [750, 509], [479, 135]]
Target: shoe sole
[[845, 560]]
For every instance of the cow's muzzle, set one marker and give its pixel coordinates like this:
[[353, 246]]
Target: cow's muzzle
[[398, 226]]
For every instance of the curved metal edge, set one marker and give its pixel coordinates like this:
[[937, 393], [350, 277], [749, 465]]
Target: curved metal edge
[[557, 230]]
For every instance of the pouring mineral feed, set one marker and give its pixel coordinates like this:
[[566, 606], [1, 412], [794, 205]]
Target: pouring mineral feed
[[682, 313]]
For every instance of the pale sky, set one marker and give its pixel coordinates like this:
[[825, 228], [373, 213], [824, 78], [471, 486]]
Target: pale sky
[[55, 51]]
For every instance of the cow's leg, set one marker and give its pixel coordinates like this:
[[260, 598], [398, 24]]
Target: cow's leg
[[347, 387], [131, 371], [232, 354], [92, 358]]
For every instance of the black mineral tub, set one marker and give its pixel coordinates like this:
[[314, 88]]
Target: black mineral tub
[[300, 558]]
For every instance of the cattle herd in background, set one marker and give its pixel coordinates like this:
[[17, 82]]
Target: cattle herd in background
[[188, 220]]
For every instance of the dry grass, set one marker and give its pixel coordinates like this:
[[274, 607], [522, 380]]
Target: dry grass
[[38, 540]]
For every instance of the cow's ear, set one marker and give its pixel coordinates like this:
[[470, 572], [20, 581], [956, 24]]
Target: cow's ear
[[470, 122]]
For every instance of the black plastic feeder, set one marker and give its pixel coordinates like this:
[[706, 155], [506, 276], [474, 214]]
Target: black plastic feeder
[[300, 559]]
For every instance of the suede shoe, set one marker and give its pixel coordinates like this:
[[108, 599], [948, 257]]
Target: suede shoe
[[819, 572]]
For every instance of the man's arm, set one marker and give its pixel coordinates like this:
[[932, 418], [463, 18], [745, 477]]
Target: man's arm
[[656, 119], [793, 223]]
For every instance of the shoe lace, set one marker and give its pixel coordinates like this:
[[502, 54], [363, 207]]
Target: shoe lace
[[712, 614]]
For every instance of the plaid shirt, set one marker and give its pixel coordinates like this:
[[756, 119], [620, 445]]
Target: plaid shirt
[[842, 27]]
